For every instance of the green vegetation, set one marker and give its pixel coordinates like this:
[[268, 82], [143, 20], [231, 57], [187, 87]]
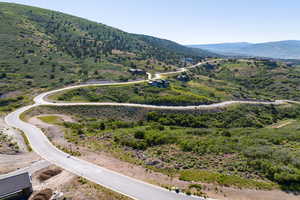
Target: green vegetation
[[239, 116], [235, 147], [51, 119], [46, 49], [177, 94], [223, 179], [209, 83], [9, 104], [69, 151], [26, 141], [255, 79], [198, 190], [42, 49]]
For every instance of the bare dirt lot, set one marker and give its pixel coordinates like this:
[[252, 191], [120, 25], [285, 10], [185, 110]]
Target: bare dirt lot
[[106, 160], [71, 186], [9, 163], [13, 151], [11, 140]]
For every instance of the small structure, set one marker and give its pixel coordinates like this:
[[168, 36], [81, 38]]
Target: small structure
[[16, 187], [184, 78], [188, 60], [290, 64], [137, 71], [159, 83]]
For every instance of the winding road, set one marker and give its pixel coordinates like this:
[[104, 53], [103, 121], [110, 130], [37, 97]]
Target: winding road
[[125, 185]]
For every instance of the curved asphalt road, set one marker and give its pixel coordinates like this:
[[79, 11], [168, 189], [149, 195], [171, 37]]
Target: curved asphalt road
[[117, 182]]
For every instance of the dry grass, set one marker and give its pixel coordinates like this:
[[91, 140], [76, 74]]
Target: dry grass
[[82, 189]]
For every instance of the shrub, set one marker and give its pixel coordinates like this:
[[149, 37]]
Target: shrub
[[139, 134]]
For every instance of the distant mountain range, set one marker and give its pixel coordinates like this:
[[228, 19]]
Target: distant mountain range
[[289, 49]]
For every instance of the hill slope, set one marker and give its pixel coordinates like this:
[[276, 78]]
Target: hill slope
[[289, 49], [43, 48]]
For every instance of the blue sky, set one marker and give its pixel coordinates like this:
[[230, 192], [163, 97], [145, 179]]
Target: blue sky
[[190, 21]]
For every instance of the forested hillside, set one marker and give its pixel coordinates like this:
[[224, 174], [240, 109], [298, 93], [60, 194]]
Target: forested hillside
[[44, 49]]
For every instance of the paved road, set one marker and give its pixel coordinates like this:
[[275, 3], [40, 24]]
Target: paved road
[[125, 185], [117, 182]]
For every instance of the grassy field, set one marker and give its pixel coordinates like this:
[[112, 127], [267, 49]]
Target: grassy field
[[51, 119], [236, 147]]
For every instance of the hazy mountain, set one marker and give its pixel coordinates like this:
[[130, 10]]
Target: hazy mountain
[[223, 48], [289, 49]]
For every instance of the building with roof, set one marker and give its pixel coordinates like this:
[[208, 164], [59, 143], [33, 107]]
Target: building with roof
[[17, 187], [159, 83], [183, 78], [137, 71]]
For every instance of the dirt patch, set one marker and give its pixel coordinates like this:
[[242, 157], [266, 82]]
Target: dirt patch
[[54, 182], [7, 145], [73, 187], [47, 174], [282, 124], [9, 163], [45, 194], [11, 94], [54, 132], [14, 143], [81, 189]]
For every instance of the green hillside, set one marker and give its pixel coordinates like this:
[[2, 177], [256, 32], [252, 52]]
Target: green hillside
[[209, 83], [44, 49], [262, 79]]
